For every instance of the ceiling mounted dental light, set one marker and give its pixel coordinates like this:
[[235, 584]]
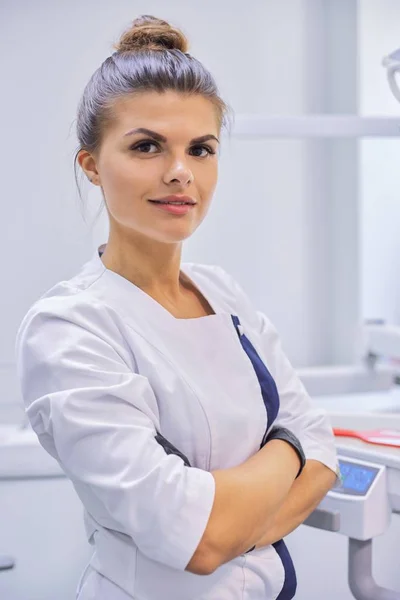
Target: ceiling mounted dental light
[[392, 64]]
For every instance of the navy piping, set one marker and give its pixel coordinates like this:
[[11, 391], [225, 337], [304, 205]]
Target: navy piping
[[268, 386], [290, 584], [272, 403]]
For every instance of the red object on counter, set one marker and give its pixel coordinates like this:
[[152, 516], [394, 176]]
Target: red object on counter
[[381, 437]]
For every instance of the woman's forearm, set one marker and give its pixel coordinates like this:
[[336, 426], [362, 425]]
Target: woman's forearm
[[246, 498], [304, 496]]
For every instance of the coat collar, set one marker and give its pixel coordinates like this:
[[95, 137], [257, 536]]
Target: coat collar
[[144, 313]]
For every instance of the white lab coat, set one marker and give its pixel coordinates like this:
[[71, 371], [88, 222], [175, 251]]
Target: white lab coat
[[102, 368]]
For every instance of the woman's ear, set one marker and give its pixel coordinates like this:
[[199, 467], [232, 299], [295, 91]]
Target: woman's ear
[[88, 165]]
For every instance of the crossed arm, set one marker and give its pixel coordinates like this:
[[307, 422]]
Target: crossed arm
[[304, 496]]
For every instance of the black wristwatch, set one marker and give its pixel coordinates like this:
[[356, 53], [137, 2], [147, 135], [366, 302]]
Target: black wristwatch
[[281, 433]]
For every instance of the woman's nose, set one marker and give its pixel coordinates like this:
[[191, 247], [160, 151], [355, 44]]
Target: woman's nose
[[179, 172]]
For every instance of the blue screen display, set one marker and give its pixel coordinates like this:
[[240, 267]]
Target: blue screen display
[[357, 479]]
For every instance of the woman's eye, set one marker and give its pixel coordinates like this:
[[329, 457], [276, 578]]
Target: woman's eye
[[144, 145], [206, 148]]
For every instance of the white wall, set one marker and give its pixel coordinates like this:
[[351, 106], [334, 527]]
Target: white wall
[[379, 165], [379, 260]]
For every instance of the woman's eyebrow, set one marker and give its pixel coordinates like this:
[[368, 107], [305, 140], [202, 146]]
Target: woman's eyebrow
[[161, 138]]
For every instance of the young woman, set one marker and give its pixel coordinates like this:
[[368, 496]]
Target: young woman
[[163, 394]]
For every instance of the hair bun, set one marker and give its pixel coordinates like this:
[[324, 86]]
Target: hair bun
[[150, 33]]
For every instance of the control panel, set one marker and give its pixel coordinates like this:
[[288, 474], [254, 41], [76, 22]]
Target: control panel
[[357, 479], [361, 499]]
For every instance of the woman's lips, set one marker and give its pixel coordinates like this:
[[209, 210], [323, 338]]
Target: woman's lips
[[174, 209]]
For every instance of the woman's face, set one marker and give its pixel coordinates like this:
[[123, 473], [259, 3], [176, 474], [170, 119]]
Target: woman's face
[[136, 167]]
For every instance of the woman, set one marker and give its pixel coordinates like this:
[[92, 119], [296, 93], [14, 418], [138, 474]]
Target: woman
[[160, 390]]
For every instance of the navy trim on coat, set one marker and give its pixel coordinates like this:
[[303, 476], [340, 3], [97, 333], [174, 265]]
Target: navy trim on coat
[[268, 386], [290, 584]]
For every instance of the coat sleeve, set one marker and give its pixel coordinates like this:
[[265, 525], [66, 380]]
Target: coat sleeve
[[297, 412], [99, 420]]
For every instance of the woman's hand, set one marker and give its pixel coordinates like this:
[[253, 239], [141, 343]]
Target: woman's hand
[[303, 498]]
